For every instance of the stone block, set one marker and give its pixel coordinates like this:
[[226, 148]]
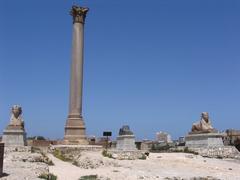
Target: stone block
[[204, 140], [126, 143], [14, 137]]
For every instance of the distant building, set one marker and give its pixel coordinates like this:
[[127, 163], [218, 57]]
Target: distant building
[[232, 137], [146, 145], [163, 137]]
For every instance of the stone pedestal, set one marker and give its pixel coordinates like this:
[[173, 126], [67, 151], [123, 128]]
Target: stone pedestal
[[204, 140], [126, 143], [14, 137]]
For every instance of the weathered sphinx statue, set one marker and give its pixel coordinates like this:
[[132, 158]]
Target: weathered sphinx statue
[[14, 134], [204, 125], [203, 135], [16, 120], [125, 130]]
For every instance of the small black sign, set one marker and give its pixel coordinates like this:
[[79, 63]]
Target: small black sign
[[107, 133]]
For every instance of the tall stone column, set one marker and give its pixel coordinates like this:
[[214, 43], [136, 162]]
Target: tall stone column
[[75, 127]]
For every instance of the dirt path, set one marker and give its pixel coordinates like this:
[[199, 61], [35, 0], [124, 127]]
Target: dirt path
[[64, 170]]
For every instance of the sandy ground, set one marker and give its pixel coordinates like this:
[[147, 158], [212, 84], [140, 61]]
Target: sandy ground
[[23, 166], [157, 166]]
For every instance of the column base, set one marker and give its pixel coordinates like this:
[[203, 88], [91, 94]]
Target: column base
[[75, 131]]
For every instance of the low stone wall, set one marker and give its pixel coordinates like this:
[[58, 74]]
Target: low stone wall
[[9, 149], [41, 143], [74, 149], [218, 152], [126, 155], [211, 152]]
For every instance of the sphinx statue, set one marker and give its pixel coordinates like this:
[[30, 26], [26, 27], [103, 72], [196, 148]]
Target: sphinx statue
[[16, 120], [14, 134], [125, 130], [203, 135], [204, 125]]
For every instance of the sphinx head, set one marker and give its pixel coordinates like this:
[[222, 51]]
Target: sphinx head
[[16, 111], [205, 116]]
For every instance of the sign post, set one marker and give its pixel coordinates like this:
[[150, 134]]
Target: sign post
[[1, 158], [107, 134]]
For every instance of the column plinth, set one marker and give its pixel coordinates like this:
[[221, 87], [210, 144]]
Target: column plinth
[[75, 131]]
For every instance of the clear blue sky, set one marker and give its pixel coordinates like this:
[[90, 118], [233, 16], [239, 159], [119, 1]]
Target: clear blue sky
[[152, 64]]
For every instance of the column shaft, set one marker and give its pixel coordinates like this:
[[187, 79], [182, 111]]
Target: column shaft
[[76, 85]]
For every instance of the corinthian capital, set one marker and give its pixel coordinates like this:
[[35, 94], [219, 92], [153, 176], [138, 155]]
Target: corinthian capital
[[79, 14]]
